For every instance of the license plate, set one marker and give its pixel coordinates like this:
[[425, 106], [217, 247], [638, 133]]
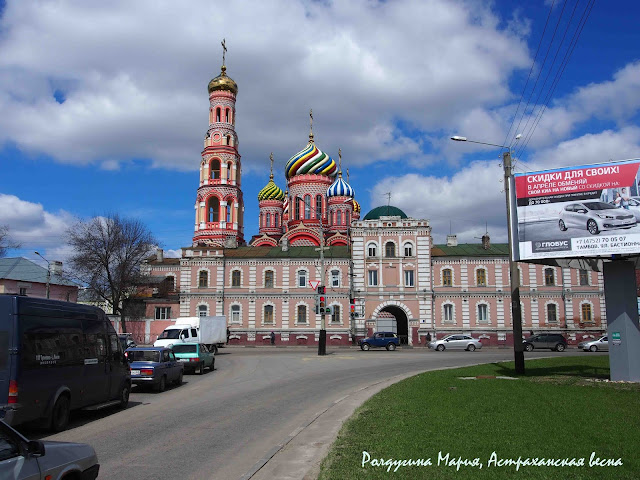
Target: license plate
[[135, 372], [183, 360]]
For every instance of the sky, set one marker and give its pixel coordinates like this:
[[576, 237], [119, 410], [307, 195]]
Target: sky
[[105, 105]]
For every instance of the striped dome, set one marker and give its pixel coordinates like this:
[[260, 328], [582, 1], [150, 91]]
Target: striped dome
[[271, 192], [356, 206], [340, 188], [310, 160]]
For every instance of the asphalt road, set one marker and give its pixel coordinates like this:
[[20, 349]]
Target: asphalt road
[[220, 424]]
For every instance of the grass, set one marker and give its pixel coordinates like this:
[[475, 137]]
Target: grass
[[560, 410]]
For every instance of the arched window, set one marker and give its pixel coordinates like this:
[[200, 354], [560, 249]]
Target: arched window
[[228, 213], [202, 310], [318, 206], [226, 116], [277, 220], [268, 314], [268, 221], [447, 312], [348, 215], [171, 283], [302, 314], [335, 314], [481, 277], [586, 313], [307, 207], [213, 210], [235, 278], [261, 220], [228, 139], [447, 279], [203, 279], [339, 217], [218, 114], [297, 207], [268, 279], [335, 278], [371, 250], [229, 165], [552, 313], [302, 278], [390, 249], [235, 313], [408, 250], [215, 169], [549, 278]]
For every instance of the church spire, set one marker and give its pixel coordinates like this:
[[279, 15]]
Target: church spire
[[310, 125]]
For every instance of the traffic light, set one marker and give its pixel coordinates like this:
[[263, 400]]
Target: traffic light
[[327, 311], [321, 289], [352, 307], [317, 304], [323, 303]]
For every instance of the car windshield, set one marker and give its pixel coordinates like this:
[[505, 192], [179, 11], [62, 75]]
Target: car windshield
[[599, 206], [172, 334], [143, 355], [185, 349]]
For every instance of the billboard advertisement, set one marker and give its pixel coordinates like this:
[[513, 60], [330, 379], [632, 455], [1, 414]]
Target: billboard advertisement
[[582, 211]]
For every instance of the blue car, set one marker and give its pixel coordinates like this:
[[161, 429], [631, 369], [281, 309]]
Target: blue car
[[388, 340], [154, 367]]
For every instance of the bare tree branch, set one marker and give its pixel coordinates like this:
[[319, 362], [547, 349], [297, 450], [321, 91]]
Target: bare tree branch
[[6, 243], [108, 254]]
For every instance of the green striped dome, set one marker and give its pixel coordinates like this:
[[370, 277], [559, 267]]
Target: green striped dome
[[271, 192]]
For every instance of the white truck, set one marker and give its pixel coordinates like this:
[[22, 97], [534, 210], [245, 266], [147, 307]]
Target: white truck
[[212, 331]]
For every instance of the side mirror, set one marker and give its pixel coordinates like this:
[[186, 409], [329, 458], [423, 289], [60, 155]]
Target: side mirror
[[35, 447]]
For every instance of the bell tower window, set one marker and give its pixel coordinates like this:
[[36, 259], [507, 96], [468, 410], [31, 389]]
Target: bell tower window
[[228, 213], [213, 210], [227, 115], [318, 206], [215, 169], [218, 114], [307, 207]]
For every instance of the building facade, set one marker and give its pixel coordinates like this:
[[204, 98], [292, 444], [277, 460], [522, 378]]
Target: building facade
[[381, 272], [20, 276]]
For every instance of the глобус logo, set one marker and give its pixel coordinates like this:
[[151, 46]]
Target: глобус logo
[[551, 246]]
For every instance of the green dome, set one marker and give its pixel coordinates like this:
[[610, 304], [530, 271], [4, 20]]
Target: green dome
[[271, 192], [385, 211]]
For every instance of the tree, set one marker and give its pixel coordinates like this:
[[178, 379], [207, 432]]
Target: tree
[[109, 252], [5, 241]]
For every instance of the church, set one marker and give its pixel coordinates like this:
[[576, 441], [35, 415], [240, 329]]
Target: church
[[381, 272]]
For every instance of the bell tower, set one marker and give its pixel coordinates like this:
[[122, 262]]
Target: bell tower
[[219, 205]]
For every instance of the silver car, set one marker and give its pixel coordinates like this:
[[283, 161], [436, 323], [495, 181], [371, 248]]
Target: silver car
[[601, 344], [595, 216], [24, 459], [460, 342]]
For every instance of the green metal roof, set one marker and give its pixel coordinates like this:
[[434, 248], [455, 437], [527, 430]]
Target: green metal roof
[[385, 211], [23, 270], [470, 250]]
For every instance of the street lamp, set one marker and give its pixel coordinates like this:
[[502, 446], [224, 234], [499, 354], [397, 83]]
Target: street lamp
[[48, 272], [516, 311]]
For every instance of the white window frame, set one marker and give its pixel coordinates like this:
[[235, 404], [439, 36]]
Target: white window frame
[[162, 313], [482, 306], [335, 277], [409, 278], [370, 246], [372, 275], [408, 245], [452, 312], [306, 314], [302, 272], [235, 315], [202, 312], [546, 312], [264, 314]]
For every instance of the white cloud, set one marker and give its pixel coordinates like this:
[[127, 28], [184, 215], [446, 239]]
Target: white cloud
[[134, 75]]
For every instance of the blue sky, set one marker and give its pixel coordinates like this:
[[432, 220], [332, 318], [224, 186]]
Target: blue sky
[[105, 106]]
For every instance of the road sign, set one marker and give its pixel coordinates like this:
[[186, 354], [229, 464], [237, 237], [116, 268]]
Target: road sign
[[313, 284]]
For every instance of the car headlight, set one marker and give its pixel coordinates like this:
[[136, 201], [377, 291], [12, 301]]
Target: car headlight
[[604, 215]]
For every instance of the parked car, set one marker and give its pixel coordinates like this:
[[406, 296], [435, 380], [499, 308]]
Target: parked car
[[388, 340], [195, 356], [154, 367], [56, 357], [595, 217], [601, 343], [38, 460], [126, 341], [460, 342], [553, 341]]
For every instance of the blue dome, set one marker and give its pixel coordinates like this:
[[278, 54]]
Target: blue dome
[[340, 188]]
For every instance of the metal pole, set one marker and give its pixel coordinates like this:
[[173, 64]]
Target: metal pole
[[48, 272], [322, 340], [516, 313]]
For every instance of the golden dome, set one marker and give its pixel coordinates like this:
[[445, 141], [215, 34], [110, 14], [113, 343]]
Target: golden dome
[[222, 82]]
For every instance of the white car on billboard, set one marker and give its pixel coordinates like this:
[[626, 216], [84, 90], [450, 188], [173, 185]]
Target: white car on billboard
[[595, 216]]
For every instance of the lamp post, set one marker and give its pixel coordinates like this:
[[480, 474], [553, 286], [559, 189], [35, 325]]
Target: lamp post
[[516, 311], [48, 272]]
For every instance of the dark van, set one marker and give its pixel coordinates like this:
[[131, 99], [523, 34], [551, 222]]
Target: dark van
[[56, 357]]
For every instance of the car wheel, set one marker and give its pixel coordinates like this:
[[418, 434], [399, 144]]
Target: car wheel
[[528, 347], [365, 346], [162, 385], [593, 348], [592, 226], [560, 347], [200, 370], [391, 347], [124, 396], [179, 380], [440, 348], [562, 226], [60, 414], [471, 348]]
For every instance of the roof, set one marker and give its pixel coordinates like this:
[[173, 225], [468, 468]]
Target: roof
[[291, 252], [385, 211], [471, 250], [23, 270], [153, 259]]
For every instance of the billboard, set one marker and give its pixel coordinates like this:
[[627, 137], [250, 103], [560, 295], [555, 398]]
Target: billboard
[[583, 211]]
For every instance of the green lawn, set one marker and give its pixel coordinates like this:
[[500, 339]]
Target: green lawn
[[560, 410]]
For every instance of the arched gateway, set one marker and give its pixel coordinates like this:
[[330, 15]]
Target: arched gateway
[[393, 316]]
